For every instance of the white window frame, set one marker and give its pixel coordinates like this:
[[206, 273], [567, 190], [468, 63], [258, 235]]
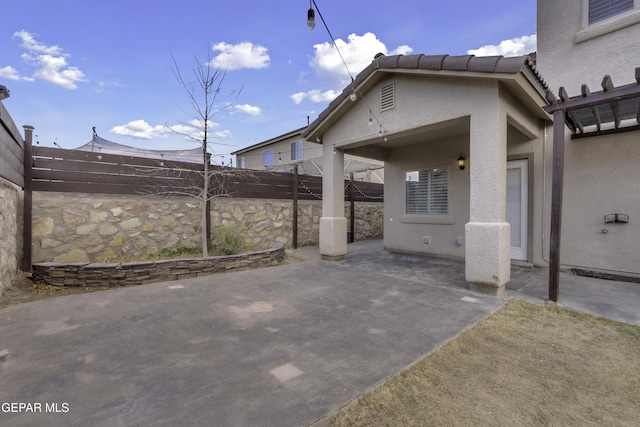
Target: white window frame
[[266, 154], [427, 217], [296, 150], [607, 25]]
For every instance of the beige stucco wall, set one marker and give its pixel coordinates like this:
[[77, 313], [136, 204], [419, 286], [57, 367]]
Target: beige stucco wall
[[601, 177], [601, 174], [421, 135], [282, 153], [570, 52], [404, 234]]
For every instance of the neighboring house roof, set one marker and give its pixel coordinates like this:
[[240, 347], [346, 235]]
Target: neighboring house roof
[[451, 65], [271, 141]]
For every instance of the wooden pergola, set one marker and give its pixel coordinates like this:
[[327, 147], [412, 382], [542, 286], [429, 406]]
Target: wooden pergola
[[611, 110]]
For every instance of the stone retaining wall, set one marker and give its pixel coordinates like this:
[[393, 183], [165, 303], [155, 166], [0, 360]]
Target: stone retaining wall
[[84, 228], [9, 229], [137, 273]]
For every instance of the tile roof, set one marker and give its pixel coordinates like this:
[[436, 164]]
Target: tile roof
[[461, 63]]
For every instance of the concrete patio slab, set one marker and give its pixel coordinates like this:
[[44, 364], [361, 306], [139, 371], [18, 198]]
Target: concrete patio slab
[[281, 346]]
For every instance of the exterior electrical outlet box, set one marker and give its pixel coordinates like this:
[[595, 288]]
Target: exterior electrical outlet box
[[426, 240], [616, 218]]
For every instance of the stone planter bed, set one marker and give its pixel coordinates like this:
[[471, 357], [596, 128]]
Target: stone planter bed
[[138, 273]]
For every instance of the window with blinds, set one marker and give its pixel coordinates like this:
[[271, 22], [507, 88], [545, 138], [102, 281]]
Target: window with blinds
[[603, 9], [427, 192]]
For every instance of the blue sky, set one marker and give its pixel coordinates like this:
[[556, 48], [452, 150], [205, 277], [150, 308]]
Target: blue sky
[[71, 64]]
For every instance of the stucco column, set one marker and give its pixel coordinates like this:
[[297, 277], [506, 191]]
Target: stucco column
[[488, 235], [333, 224]]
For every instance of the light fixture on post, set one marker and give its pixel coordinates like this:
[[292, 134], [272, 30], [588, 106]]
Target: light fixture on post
[[311, 17], [461, 164]]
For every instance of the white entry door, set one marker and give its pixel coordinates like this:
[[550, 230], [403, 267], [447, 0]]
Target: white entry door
[[517, 209]]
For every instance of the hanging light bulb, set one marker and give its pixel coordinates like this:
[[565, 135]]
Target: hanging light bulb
[[311, 17], [353, 97], [370, 119]]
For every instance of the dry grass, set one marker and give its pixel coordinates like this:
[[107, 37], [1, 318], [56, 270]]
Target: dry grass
[[526, 365]]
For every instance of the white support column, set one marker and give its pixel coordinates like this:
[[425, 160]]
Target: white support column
[[488, 235], [333, 224]]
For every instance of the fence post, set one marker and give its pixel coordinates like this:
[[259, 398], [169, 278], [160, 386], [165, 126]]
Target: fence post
[[295, 207], [353, 211], [27, 207]]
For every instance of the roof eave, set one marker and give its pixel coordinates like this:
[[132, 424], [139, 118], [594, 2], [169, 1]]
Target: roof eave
[[496, 68], [268, 142]]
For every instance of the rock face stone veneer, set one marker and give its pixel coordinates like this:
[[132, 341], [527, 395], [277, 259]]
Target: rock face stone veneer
[[86, 228], [137, 273], [9, 217]]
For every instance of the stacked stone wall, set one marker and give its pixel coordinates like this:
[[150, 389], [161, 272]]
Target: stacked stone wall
[[138, 273], [9, 217], [86, 228]]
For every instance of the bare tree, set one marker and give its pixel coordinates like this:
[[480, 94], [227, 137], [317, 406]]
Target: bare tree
[[204, 92]]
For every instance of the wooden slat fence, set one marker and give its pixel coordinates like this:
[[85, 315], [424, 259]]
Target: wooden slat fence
[[75, 171], [11, 150]]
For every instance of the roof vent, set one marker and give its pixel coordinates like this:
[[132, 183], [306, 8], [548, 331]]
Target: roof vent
[[387, 97]]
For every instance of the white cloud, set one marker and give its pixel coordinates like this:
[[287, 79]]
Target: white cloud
[[314, 95], [9, 73], [29, 42], [192, 130], [249, 109], [241, 55], [141, 129], [514, 47], [298, 97], [50, 62], [222, 134], [358, 52]]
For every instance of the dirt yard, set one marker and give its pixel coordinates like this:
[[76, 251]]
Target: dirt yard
[[526, 365]]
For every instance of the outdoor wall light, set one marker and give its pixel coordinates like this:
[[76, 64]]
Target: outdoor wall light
[[311, 17], [461, 164]]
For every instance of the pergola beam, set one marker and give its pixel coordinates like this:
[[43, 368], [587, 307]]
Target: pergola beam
[[565, 112], [557, 182]]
